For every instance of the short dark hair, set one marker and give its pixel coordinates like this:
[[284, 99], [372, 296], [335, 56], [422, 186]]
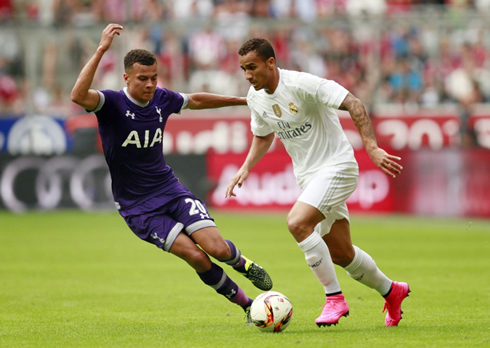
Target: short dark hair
[[140, 56], [261, 46]]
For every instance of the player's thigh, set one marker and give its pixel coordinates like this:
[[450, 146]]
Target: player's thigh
[[328, 192], [200, 226], [212, 242], [155, 228], [185, 248], [192, 213], [329, 189], [165, 233]]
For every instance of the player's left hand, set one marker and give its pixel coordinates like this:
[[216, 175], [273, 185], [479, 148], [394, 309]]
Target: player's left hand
[[386, 162], [237, 180]]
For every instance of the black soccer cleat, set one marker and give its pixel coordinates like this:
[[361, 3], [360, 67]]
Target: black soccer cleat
[[257, 275]]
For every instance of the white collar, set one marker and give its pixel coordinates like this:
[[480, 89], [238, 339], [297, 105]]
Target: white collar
[[125, 89]]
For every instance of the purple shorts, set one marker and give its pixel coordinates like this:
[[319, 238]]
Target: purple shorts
[[162, 225]]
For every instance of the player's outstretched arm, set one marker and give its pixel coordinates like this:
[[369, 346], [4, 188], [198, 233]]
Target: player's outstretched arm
[[198, 101], [258, 149], [386, 162], [81, 93]]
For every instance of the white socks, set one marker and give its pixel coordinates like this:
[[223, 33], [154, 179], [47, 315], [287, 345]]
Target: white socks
[[318, 258], [364, 270]]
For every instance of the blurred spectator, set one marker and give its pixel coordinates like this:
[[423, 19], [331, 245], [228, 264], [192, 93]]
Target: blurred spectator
[[398, 6], [357, 43], [10, 52], [371, 7], [9, 94], [205, 49], [328, 8], [110, 11], [172, 62], [406, 82], [232, 19], [83, 13], [430, 97], [188, 9], [6, 9], [482, 6], [302, 9], [262, 9]]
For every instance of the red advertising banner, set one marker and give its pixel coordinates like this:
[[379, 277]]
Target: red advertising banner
[[195, 133], [375, 190], [198, 132], [271, 185], [445, 183], [433, 183]]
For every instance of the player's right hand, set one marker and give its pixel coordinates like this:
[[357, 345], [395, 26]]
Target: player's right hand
[[108, 35], [238, 179], [386, 162]]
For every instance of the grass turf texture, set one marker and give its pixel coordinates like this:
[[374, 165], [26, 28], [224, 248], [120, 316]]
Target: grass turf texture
[[73, 279]]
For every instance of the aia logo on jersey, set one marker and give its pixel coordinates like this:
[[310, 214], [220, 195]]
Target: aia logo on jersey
[[145, 141], [293, 109]]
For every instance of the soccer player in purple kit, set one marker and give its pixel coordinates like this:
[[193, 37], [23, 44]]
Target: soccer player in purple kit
[[152, 201]]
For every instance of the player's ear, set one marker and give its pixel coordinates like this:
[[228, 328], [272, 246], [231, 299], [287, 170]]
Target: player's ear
[[126, 77], [271, 62]]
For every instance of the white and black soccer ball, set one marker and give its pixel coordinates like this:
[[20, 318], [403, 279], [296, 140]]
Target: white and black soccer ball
[[271, 311]]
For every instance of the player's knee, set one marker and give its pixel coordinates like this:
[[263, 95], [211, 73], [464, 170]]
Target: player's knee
[[197, 259], [220, 251], [293, 224], [298, 227]]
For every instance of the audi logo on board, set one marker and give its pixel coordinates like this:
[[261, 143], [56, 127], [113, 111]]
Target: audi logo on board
[[45, 183]]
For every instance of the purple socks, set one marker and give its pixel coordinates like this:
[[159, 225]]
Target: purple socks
[[219, 281]]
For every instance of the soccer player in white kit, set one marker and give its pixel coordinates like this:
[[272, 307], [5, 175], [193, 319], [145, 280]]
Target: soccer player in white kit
[[299, 108]]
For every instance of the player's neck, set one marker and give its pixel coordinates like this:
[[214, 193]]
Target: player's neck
[[274, 82]]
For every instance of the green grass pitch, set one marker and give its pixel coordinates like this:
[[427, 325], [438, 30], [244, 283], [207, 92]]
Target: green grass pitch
[[73, 279]]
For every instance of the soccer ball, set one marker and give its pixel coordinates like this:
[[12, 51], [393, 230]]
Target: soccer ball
[[271, 311]]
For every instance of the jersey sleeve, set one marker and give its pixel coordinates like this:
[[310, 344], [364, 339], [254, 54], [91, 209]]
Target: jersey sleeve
[[108, 98], [100, 104], [186, 100], [259, 127], [330, 93], [176, 101]]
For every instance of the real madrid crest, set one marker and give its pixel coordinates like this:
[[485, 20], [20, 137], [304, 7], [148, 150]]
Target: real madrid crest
[[277, 110], [293, 109]]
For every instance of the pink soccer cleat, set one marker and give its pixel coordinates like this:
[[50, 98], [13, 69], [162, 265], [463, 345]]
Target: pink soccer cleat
[[393, 303], [335, 307]]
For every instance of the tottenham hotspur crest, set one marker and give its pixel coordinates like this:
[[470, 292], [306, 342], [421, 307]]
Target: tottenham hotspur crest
[[159, 111]]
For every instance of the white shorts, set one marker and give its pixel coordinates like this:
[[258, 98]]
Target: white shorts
[[328, 191]]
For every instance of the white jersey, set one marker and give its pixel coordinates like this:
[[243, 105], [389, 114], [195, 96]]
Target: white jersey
[[302, 113]]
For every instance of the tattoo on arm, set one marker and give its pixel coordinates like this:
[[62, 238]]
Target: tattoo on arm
[[359, 115]]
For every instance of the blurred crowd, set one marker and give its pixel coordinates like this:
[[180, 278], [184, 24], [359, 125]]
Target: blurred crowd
[[412, 54]]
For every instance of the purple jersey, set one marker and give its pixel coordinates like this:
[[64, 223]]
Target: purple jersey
[[132, 138]]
